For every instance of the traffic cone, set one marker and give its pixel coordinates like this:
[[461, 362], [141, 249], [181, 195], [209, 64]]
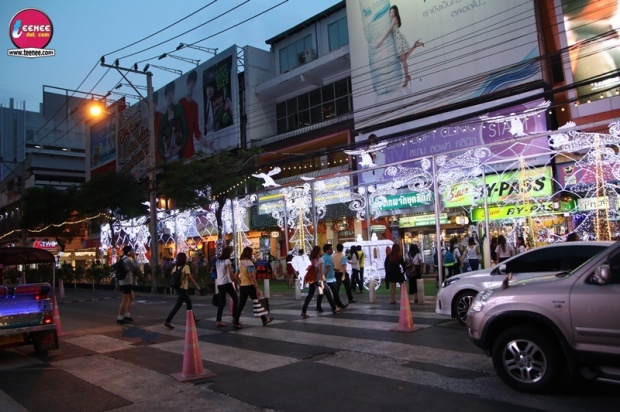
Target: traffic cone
[[405, 320], [61, 288], [56, 316], [192, 361]]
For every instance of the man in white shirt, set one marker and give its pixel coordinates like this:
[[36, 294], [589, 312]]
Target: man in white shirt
[[300, 263]]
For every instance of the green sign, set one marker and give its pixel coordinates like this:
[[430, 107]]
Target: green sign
[[519, 185], [422, 220], [405, 201], [513, 211]]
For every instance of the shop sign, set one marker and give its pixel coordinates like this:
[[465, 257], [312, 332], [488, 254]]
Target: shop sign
[[378, 228], [404, 201], [345, 235], [87, 253], [514, 211], [422, 220], [596, 203], [275, 233], [530, 183], [45, 244]]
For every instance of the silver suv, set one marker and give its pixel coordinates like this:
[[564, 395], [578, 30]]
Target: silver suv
[[537, 330]]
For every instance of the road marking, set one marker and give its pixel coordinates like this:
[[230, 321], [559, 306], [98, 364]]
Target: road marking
[[99, 343]]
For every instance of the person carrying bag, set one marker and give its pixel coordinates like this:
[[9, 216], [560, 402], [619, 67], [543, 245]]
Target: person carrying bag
[[248, 287], [182, 295], [414, 269]]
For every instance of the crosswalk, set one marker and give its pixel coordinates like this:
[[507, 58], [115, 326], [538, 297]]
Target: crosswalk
[[360, 340]]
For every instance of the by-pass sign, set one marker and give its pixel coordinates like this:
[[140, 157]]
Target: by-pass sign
[[518, 185]]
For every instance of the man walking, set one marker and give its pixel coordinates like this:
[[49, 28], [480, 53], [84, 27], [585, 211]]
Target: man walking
[[340, 269]]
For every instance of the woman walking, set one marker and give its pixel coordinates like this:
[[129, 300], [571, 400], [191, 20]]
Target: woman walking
[[473, 253], [182, 295], [248, 287], [414, 264], [317, 267], [224, 282], [395, 272], [503, 250]]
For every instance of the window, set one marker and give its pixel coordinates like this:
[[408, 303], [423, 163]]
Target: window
[[338, 34], [289, 55], [540, 260], [315, 107]]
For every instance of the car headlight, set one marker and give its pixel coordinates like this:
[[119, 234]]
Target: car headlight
[[480, 300], [449, 281]]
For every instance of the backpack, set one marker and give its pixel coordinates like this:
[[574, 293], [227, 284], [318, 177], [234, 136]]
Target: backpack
[[119, 269], [175, 278], [310, 274], [448, 258]]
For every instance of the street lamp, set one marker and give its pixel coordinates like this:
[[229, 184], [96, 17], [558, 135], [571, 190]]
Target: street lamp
[[168, 69], [152, 165], [185, 59], [193, 46]]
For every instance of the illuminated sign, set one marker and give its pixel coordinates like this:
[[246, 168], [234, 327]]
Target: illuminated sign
[[520, 185], [404, 201], [514, 211], [422, 220], [596, 203]]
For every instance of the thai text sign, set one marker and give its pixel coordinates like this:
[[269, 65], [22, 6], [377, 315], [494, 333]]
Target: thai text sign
[[405, 201], [422, 220]]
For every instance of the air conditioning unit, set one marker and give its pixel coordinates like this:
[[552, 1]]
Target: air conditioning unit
[[306, 56]]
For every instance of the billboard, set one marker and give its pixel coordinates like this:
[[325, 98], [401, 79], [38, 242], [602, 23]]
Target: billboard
[[102, 144], [593, 40], [197, 114], [409, 57], [451, 138]]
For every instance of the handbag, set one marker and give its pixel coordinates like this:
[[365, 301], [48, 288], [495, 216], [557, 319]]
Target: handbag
[[260, 307]]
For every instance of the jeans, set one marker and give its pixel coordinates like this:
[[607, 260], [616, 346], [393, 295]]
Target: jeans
[[182, 296], [224, 289], [334, 291], [474, 264], [313, 287], [346, 282], [355, 276], [244, 293]]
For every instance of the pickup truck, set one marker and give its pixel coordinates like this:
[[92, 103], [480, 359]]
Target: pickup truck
[[26, 310], [539, 330]]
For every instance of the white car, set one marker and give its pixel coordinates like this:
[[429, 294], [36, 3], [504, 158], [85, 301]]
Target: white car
[[458, 292]]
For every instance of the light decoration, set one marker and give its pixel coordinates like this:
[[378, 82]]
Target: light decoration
[[516, 119], [295, 214], [463, 170], [234, 215], [601, 159]]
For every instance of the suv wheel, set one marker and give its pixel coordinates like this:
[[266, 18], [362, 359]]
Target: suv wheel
[[461, 305], [526, 360]]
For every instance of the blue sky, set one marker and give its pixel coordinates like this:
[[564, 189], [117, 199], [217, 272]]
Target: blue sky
[[86, 30]]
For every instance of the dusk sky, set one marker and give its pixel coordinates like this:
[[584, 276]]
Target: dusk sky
[[83, 31]]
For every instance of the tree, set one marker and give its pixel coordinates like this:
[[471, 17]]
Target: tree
[[48, 207], [198, 183]]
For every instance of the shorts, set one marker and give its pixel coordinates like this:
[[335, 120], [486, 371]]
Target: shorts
[[126, 289]]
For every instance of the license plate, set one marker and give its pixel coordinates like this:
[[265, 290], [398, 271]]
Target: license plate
[[11, 339]]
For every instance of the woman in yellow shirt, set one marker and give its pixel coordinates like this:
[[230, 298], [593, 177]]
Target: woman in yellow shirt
[[248, 287]]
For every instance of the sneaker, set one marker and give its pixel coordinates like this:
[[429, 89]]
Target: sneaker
[[319, 310], [268, 321], [121, 321], [344, 306], [352, 301], [128, 319], [168, 325]]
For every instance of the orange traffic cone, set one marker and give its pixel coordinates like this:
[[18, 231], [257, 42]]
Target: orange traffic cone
[[56, 316], [192, 361], [61, 288], [405, 320]]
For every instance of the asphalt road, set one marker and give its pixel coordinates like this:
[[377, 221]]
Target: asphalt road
[[350, 361]]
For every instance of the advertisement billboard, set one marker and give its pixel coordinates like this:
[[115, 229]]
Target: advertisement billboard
[[102, 144], [594, 43], [410, 57], [450, 138], [197, 114]]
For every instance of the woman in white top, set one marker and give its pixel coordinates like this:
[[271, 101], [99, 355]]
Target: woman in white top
[[521, 245], [473, 253], [503, 250], [224, 283]]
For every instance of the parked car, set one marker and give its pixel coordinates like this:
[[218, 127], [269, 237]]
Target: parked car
[[539, 330], [456, 294]]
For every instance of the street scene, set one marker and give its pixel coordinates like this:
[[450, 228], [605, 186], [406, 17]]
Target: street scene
[[354, 360]]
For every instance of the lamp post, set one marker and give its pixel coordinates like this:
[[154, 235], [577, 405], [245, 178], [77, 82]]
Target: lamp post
[[152, 172]]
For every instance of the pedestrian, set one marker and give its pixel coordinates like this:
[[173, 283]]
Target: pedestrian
[[503, 250], [300, 263], [248, 287], [225, 285], [414, 264], [361, 259], [395, 272], [572, 237], [521, 248], [341, 273], [452, 259], [472, 254], [355, 269], [182, 294], [126, 285], [388, 249], [317, 267], [330, 279], [493, 248], [291, 273]]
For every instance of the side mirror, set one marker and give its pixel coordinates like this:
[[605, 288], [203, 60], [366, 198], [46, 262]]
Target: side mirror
[[602, 275], [502, 268]]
